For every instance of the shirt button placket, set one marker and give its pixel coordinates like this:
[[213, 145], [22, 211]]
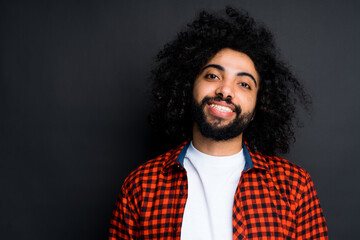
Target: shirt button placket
[[181, 193], [174, 231]]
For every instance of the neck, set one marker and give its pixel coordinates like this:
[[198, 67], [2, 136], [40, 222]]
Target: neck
[[216, 148]]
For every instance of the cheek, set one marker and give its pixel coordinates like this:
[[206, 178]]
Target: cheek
[[195, 89], [201, 90], [252, 102], [247, 102]]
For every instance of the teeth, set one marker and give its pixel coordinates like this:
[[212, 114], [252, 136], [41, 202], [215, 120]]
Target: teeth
[[221, 108]]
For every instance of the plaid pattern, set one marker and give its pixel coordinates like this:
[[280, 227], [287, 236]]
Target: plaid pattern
[[275, 199]]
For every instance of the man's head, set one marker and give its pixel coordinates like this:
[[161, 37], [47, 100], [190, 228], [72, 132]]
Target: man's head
[[236, 49], [224, 95]]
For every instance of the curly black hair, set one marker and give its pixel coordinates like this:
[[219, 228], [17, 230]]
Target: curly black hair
[[272, 130]]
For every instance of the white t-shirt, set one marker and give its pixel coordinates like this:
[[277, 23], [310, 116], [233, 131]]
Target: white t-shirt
[[212, 182]]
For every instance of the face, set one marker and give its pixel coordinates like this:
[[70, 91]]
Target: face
[[224, 95]]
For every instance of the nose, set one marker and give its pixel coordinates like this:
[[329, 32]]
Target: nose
[[225, 90]]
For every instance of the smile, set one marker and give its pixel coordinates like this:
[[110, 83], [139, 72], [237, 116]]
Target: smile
[[221, 108]]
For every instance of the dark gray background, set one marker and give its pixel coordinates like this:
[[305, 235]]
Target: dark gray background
[[74, 102]]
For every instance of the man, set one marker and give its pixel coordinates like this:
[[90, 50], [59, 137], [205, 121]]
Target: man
[[222, 90]]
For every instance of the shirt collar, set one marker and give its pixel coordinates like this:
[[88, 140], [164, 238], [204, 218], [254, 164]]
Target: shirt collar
[[257, 159], [252, 159], [176, 156]]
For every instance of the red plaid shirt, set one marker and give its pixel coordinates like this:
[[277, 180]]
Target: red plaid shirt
[[275, 199]]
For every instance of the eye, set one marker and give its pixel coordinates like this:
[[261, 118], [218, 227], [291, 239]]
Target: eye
[[211, 76], [244, 84]]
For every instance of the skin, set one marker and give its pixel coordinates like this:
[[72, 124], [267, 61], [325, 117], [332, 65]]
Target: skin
[[229, 74]]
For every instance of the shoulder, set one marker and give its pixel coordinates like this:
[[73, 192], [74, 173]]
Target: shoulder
[[148, 174], [145, 172], [288, 177], [282, 166], [279, 166]]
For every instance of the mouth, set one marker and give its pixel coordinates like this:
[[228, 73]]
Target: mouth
[[221, 108]]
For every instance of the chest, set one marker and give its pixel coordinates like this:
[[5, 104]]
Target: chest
[[261, 209]]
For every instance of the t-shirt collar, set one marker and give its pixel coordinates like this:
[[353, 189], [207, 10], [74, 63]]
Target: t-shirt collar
[[252, 160]]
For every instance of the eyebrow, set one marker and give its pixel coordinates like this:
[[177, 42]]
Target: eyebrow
[[221, 68]]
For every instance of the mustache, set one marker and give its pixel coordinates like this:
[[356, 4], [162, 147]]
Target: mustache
[[219, 99]]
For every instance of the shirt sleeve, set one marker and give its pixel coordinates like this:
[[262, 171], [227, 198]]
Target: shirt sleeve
[[123, 224], [310, 218]]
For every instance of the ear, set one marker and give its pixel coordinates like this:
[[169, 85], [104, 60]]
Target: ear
[[252, 118]]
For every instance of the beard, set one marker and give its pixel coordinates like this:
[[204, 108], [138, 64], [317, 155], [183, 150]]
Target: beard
[[216, 130]]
